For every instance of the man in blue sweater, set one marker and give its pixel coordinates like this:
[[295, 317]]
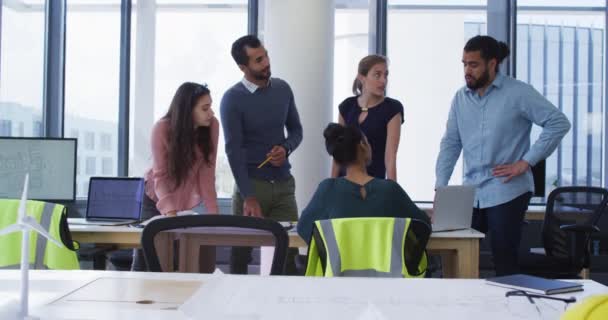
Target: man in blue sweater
[[255, 113]]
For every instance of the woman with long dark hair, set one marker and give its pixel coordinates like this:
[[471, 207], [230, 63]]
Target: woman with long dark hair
[[184, 152]]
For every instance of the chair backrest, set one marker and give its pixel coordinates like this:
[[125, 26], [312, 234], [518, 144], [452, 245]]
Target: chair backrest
[[281, 240], [43, 253], [372, 247], [581, 206]]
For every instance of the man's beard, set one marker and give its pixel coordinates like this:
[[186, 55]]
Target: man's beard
[[261, 75], [481, 82]]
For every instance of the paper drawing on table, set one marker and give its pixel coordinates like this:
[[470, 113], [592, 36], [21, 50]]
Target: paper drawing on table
[[141, 293]]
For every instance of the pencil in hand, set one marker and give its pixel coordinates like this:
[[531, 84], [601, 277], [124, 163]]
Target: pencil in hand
[[265, 161]]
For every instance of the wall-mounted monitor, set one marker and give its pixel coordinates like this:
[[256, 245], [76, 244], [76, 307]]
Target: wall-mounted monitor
[[51, 163]]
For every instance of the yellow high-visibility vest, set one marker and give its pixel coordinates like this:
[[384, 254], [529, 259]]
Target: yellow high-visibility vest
[[43, 253], [368, 247]]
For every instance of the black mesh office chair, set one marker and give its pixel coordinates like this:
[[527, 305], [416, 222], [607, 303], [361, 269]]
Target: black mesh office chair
[[281, 240], [571, 217]]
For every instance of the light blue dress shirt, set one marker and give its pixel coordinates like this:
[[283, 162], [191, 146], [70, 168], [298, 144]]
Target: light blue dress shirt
[[494, 129]]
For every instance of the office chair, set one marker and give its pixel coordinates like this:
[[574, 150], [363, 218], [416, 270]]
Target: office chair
[[368, 247], [571, 216], [281, 240]]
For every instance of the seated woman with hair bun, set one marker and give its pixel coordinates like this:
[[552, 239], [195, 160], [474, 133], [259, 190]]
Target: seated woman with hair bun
[[357, 194]]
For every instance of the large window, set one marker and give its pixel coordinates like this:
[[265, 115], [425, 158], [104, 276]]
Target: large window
[[21, 67], [107, 165], [561, 54], [559, 50], [425, 41], [6, 128], [91, 168], [174, 42], [106, 142], [350, 45], [91, 81]]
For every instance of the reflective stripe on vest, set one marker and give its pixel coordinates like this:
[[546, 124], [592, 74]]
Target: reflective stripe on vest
[[41, 242], [335, 261]]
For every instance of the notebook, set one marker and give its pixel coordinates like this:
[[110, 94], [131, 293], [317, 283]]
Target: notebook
[[453, 208], [113, 201], [534, 284]]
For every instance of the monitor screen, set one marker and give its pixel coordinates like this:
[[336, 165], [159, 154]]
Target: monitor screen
[[51, 163], [115, 198]]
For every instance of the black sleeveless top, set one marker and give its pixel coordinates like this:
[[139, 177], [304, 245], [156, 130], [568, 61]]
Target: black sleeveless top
[[374, 127]]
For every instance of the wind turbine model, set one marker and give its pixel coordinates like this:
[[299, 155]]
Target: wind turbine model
[[24, 224]]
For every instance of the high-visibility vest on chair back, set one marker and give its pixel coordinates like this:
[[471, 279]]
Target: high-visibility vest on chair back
[[43, 253], [368, 247]]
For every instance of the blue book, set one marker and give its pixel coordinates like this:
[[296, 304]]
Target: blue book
[[534, 284]]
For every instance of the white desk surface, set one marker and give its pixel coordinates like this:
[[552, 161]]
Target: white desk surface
[[257, 297]]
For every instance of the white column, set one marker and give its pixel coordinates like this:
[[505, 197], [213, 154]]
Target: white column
[[299, 36], [143, 94]]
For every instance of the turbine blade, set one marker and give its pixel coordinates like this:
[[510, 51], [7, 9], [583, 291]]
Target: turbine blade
[[23, 203], [31, 223], [10, 229]]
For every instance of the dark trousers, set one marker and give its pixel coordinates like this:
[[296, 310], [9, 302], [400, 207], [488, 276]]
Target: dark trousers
[[504, 223]]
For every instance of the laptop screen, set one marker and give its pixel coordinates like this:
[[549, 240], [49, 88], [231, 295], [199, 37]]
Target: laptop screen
[[115, 198]]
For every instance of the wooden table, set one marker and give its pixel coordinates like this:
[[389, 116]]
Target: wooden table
[[535, 213], [122, 237], [459, 249]]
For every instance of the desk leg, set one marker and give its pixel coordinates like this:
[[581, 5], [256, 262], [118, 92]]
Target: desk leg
[[163, 243], [461, 260], [448, 263], [206, 259], [468, 258], [185, 253], [194, 257]]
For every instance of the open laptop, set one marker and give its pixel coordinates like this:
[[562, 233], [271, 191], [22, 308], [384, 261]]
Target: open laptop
[[113, 201], [453, 208]]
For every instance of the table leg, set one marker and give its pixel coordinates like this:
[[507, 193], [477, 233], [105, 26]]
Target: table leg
[[449, 263], [194, 257], [461, 260], [206, 259], [187, 255], [163, 243], [468, 258]]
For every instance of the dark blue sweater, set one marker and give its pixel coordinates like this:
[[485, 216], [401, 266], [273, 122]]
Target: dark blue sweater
[[255, 122]]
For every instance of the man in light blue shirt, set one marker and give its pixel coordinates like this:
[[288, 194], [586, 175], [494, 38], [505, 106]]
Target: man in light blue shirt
[[490, 121]]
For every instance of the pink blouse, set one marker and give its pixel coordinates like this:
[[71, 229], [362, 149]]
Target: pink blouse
[[199, 184]]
